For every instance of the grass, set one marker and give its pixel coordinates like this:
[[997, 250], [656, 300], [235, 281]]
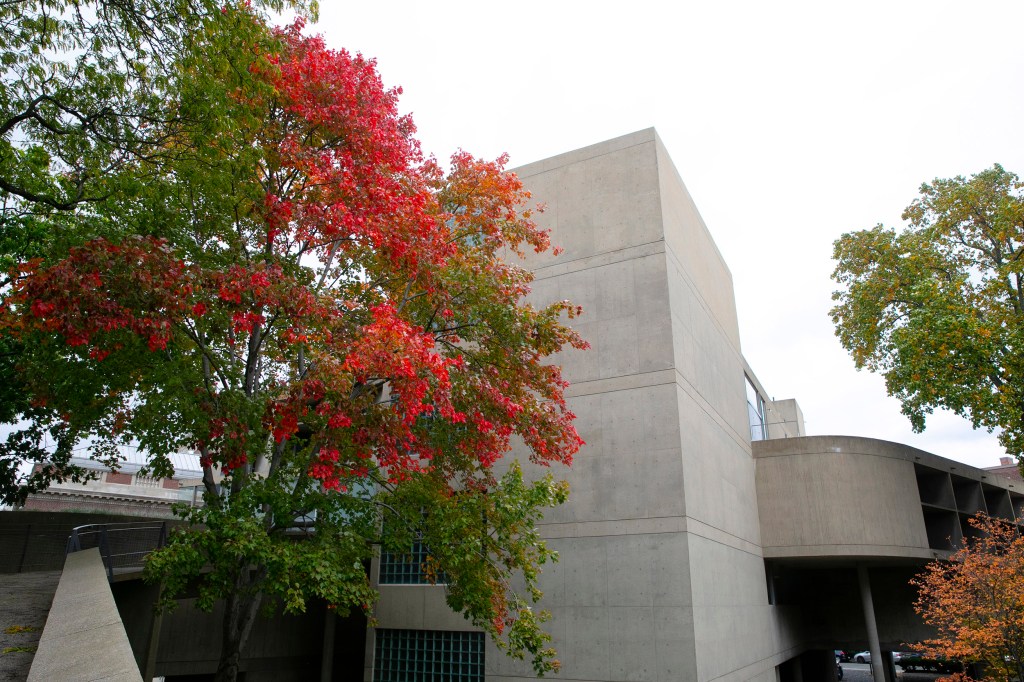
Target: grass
[[19, 650], [18, 629]]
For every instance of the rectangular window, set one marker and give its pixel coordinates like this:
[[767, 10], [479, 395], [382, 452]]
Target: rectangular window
[[405, 569], [428, 656], [756, 412]]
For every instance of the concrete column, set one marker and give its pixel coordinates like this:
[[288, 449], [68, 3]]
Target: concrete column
[[153, 646], [877, 668], [890, 666], [798, 670], [327, 657]]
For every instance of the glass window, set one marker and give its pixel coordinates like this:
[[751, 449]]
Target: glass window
[[405, 569], [428, 656], [756, 412]]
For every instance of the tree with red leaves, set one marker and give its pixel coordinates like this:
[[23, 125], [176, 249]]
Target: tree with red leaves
[[291, 290]]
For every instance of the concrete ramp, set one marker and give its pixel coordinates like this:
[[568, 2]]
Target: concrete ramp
[[84, 638]]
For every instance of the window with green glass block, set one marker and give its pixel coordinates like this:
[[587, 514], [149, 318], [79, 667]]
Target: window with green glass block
[[428, 656], [404, 569]]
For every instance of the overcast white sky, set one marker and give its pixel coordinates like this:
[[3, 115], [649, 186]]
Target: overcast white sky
[[790, 123]]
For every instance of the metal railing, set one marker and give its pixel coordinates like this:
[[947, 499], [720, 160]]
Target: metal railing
[[123, 546]]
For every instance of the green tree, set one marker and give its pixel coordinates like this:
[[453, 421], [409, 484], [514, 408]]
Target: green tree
[[84, 123], [270, 274], [938, 307], [287, 287]]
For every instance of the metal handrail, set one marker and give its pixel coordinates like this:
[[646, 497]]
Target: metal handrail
[[121, 545]]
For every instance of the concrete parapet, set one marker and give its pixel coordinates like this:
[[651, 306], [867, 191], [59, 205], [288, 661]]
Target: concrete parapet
[[84, 638]]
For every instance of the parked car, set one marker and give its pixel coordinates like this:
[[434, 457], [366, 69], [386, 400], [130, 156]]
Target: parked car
[[903, 656], [865, 657], [914, 661], [842, 656]]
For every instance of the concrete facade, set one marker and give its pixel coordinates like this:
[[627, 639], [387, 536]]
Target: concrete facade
[[707, 538], [683, 547], [661, 573], [126, 491]]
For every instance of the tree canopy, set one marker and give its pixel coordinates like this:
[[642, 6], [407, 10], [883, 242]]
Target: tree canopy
[[88, 110], [264, 269], [938, 307], [975, 600]]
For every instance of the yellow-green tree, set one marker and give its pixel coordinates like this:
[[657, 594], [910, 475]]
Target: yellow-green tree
[[938, 307]]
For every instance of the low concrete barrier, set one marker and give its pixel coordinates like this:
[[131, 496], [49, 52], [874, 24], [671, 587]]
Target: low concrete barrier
[[84, 638]]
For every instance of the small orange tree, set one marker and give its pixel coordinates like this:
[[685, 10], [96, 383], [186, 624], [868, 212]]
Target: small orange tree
[[975, 600]]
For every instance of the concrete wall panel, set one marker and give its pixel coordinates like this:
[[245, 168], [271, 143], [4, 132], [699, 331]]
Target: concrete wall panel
[[733, 621], [621, 609], [688, 238], [630, 467], [417, 607], [718, 472], [672, 448], [599, 199]]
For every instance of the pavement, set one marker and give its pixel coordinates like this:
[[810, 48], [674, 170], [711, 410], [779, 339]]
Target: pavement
[[25, 600], [854, 672]]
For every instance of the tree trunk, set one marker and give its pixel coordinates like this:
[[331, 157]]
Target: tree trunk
[[239, 615]]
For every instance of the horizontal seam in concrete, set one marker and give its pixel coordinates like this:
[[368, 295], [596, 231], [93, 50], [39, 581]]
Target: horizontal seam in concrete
[[658, 377], [684, 275], [880, 455], [576, 156], [762, 665], [633, 527], [910, 551], [723, 537], [598, 260], [657, 525], [692, 392]]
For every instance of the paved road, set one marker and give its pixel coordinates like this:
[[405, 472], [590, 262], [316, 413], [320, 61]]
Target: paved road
[[860, 672], [25, 600]]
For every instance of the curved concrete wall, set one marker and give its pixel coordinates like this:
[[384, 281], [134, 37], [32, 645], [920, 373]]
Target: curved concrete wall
[[841, 496]]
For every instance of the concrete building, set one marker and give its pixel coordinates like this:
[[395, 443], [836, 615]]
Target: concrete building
[[127, 491], [706, 537], [1008, 467]]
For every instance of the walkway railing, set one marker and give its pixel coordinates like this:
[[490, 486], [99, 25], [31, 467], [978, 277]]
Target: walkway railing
[[123, 546]]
